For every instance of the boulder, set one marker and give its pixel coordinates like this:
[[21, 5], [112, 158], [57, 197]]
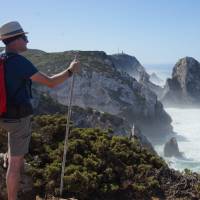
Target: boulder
[[171, 149]]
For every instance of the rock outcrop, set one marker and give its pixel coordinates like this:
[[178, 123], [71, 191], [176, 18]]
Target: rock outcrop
[[171, 149], [90, 118], [129, 64], [83, 118], [145, 80], [136, 133], [183, 89], [156, 80]]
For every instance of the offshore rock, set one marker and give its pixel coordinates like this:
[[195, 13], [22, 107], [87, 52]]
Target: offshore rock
[[183, 89], [171, 149]]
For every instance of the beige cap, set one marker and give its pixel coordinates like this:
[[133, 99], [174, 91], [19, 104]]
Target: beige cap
[[11, 29]]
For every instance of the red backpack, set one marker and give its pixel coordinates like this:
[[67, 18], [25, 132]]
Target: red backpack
[[10, 109], [3, 106]]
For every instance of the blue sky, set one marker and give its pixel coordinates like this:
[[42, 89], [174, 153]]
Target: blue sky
[[155, 31]]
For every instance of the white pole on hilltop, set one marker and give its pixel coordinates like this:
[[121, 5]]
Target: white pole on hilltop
[[67, 133]]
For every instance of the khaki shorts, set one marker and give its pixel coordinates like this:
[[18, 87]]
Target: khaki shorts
[[19, 135]]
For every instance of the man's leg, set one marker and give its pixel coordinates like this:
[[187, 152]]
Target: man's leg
[[19, 136], [13, 175]]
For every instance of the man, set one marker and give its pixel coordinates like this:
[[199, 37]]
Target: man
[[19, 73]]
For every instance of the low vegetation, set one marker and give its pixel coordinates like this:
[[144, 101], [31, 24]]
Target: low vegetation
[[99, 165]]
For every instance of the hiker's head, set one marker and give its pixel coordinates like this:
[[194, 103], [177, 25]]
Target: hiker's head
[[13, 36]]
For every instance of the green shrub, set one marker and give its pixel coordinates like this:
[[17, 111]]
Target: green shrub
[[98, 164]]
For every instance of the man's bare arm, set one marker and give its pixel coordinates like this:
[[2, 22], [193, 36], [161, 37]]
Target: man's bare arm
[[52, 81]]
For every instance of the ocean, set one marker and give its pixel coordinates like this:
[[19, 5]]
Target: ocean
[[186, 122]]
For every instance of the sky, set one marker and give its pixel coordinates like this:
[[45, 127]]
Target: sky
[[154, 31]]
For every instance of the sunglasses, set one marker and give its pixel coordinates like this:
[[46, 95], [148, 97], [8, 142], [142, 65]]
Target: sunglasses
[[24, 37]]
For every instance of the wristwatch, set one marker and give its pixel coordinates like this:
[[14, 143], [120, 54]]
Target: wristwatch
[[70, 73]]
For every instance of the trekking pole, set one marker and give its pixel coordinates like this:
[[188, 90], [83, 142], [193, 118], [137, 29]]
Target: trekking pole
[[67, 133]]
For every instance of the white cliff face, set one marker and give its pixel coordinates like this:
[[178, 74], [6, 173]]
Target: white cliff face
[[90, 90], [107, 94], [130, 65]]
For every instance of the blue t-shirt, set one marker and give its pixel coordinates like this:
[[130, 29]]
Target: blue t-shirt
[[18, 71]]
